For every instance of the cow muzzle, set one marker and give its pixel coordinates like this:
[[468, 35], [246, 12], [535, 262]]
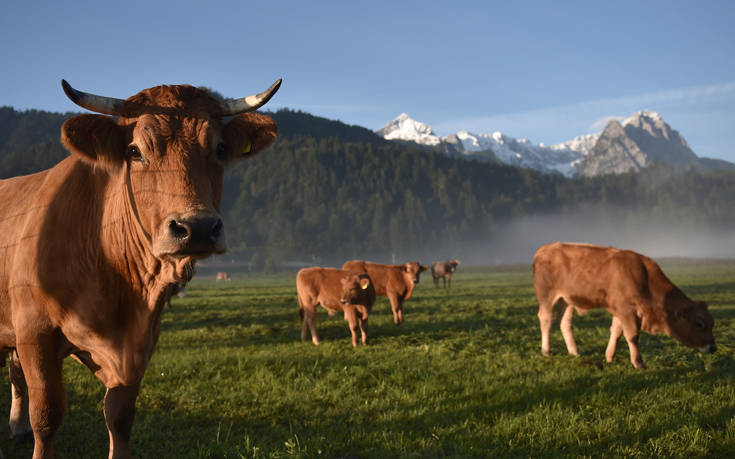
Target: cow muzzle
[[196, 235], [708, 348]]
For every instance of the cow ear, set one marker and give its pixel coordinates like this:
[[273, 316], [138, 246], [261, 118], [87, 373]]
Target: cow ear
[[423, 268], [96, 139], [248, 134], [364, 283]]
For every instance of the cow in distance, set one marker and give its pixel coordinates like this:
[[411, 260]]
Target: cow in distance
[[443, 270]]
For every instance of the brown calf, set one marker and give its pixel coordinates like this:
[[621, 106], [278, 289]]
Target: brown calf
[[396, 282], [628, 285], [336, 290]]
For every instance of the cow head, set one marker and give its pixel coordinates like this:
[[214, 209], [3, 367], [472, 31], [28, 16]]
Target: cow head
[[691, 324], [453, 265], [355, 287], [170, 146], [411, 271]]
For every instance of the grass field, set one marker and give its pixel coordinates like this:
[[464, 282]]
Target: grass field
[[462, 377]]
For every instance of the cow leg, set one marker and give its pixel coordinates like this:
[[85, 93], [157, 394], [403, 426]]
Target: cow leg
[[309, 321], [449, 282], [565, 324], [119, 415], [20, 423], [546, 319], [46, 395], [351, 319], [363, 329], [436, 282], [396, 304], [616, 330], [631, 332]]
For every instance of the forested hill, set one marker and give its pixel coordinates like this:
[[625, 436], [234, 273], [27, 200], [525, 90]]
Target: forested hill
[[327, 191]]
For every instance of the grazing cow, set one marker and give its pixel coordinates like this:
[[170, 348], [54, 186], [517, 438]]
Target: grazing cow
[[336, 290], [628, 285], [443, 270], [91, 246], [396, 282], [223, 276]]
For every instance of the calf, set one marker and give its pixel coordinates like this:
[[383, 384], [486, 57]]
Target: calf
[[628, 285], [336, 290], [396, 282], [223, 276], [443, 270]]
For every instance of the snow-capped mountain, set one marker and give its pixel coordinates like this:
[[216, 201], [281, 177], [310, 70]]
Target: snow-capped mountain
[[496, 146], [632, 144], [405, 128]]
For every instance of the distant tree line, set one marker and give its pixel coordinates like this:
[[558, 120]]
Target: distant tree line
[[327, 191]]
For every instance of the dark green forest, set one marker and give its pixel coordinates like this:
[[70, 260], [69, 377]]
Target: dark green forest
[[326, 191]]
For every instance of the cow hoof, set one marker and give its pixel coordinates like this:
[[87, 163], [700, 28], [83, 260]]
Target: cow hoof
[[546, 353]]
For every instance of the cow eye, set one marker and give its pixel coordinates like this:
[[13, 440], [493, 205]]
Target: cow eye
[[699, 325], [221, 151], [134, 154]]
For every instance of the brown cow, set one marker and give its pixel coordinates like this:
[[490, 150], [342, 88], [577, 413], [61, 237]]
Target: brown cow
[[628, 285], [443, 270], [396, 282], [223, 276], [336, 290], [91, 246]]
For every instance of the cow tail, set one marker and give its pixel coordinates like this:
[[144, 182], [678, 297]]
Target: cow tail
[[301, 310]]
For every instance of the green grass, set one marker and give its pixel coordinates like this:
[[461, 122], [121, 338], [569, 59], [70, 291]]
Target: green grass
[[462, 377]]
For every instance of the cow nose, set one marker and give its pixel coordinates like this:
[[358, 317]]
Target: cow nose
[[708, 348], [197, 234]]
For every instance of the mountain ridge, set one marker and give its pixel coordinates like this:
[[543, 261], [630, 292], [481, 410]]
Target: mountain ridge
[[628, 145]]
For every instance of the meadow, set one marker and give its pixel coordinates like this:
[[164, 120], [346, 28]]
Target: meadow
[[462, 377]]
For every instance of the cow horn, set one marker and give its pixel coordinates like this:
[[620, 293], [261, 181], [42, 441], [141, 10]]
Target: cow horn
[[250, 103], [99, 104]]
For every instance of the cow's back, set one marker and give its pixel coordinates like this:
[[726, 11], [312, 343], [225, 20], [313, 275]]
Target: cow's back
[[19, 207], [319, 285], [589, 276], [383, 276]]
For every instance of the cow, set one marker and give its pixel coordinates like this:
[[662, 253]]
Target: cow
[[336, 290], [396, 282], [91, 246], [443, 270], [628, 285], [223, 276]]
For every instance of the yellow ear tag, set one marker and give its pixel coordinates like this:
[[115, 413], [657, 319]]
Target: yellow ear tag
[[365, 285], [247, 148]]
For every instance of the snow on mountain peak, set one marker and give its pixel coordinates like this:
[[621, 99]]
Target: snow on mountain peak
[[403, 127], [566, 157]]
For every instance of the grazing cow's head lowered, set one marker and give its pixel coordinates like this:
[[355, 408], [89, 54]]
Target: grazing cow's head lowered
[[172, 144], [691, 323]]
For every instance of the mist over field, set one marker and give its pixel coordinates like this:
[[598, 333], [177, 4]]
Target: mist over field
[[516, 241]]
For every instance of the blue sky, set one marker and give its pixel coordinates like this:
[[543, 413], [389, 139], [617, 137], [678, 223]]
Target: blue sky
[[542, 70]]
